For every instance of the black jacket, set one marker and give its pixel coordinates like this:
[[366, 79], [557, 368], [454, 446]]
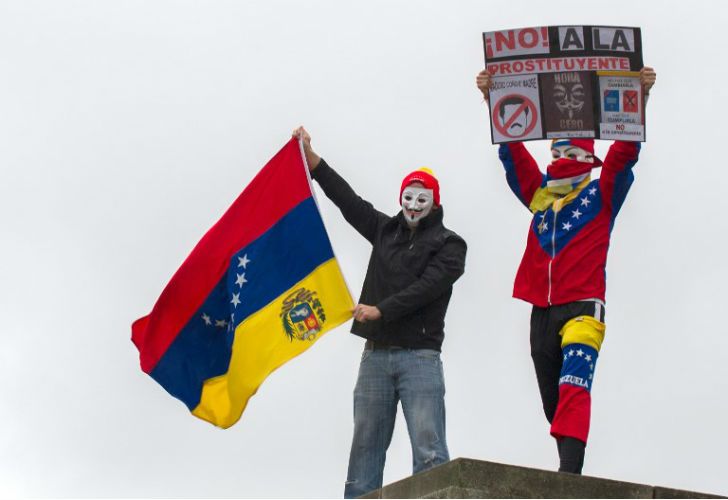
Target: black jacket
[[410, 273]]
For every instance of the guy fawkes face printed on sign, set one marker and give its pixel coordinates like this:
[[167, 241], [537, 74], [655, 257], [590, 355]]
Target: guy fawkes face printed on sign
[[568, 93]]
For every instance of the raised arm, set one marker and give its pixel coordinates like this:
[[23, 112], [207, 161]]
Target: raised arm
[[357, 211], [522, 172], [617, 176], [648, 77]]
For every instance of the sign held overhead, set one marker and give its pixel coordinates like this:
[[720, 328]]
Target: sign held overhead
[[550, 82]]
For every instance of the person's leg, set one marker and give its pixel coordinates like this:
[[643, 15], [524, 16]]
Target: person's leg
[[421, 387], [571, 454], [582, 337], [375, 408], [547, 358]]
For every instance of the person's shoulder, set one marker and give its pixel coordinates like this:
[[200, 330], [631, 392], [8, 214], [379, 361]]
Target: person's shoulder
[[448, 236]]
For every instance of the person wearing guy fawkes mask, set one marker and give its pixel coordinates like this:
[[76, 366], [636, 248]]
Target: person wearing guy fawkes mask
[[562, 272], [401, 313]]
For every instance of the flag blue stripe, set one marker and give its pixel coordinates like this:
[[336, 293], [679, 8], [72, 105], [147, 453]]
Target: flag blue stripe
[[263, 270], [578, 366]]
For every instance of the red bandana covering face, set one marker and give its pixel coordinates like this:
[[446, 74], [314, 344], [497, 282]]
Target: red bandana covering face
[[573, 162]]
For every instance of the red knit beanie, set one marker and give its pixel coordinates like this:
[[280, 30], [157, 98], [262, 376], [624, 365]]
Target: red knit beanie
[[426, 178], [585, 144]]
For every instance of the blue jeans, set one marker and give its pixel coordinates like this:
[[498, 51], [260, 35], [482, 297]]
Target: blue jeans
[[387, 376]]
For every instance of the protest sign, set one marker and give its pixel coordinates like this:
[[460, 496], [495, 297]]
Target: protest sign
[[565, 81], [516, 109]]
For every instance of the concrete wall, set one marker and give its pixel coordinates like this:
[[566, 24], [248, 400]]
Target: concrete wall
[[467, 478]]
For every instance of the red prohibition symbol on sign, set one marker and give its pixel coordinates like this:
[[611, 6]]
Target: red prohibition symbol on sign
[[515, 115]]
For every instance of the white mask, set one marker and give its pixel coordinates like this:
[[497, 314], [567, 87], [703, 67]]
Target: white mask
[[572, 153], [416, 204]]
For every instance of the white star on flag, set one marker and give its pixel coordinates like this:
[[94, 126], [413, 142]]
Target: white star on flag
[[585, 201], [241, 280], [243, 261], [236, 299], [206, 319], [571, 352], [591, 366], [592, 191], [576, 214], [587, 357], [221, 323], [567, 226], [580, 353]]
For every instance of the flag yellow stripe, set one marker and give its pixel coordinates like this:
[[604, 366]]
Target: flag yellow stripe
[[583, 330], [261, 345]]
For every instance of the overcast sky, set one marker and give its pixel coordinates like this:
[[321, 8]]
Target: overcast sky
[[128, 127]]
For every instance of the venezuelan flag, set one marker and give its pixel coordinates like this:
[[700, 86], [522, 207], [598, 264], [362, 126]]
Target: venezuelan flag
[[581, 340], [259, 289]]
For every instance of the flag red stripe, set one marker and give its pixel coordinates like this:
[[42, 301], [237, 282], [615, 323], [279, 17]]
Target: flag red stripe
[[573, 413], [252, 213]]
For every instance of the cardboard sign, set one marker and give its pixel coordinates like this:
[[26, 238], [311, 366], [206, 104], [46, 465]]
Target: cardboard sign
[[585, 78]]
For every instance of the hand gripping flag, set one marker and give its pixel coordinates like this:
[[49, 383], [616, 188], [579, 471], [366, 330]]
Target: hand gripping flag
[[258, 289]]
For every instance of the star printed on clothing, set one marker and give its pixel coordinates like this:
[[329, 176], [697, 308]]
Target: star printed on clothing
[[544, 226], [580, 353], [243, 261], [591, 376], [591, 367], [571, 352], [576, 214], [206, 319], [241, 280], [236, 299], [565, 356], [585, 201], [566, 226], [221, 323], [587, 358], [592, 191]]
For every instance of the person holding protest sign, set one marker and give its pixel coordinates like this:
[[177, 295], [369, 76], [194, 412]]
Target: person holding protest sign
[[562, 273], [414, 262]]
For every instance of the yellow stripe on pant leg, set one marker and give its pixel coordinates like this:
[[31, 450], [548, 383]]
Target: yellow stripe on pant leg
[[583, 330], [261, 345]]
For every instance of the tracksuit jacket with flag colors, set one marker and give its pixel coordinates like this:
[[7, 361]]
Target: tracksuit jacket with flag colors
[[566, 251]]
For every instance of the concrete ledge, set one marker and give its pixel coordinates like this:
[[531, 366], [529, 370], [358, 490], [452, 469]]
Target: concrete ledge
[[468, 478]]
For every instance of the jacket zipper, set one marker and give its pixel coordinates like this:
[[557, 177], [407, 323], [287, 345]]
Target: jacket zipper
[[411, 245], [553, 254]]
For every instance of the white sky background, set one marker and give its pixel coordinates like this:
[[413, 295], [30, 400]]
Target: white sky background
[[127, 128]]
